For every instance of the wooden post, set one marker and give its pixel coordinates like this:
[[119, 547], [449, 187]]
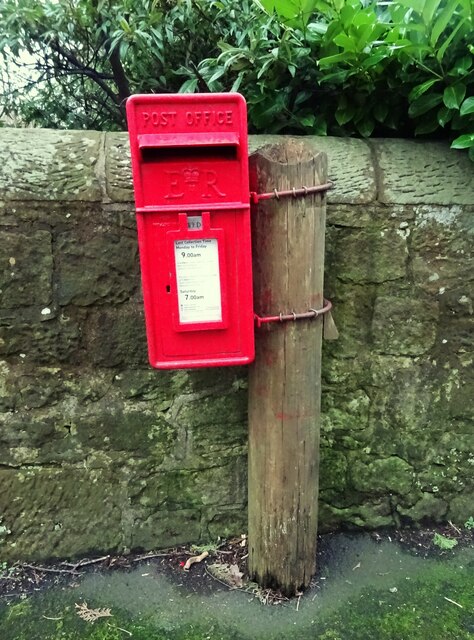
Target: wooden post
[[285, 380]]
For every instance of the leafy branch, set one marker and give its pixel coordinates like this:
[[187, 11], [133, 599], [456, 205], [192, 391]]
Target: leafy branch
[[338, 67]]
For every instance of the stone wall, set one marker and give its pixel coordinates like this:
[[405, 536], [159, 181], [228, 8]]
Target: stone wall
[[99, 452]]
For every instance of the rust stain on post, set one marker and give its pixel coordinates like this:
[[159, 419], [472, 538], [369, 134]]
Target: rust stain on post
[[284, 421]]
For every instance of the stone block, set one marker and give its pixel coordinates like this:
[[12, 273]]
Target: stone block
[[213, 426], [352, 313], [460, 507], [382, 476], [403, 324], [113, 426], [118, 167], [190, 489], [332, 470], [413, 172], [441, 247], [349, 215], [36, 338], [78, 416], [41, 164], [428, 508], [144, 384], [98, 266], [223, 379], [350, 165], [369, 255], [369, 515], [401, 407], [57, 215], [455, 337], [345, 374], [116, 336], [444, 476], [458, 394], [34, 438], [7, 395], [26, 269], [59, 513], [345, 417], [457, 301], [226, 522], [32, 387], [164, 529]]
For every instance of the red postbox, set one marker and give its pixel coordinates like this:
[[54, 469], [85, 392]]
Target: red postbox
[[190, 175]]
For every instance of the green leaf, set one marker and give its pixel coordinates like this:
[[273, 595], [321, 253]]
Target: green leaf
[[373, 60], [424, 104], [380, 111], [365, 127], [427, 125], [337, 77], [463, 142], [442, 22], [429, 10], [237, 82], [290, 10], [461, 66], [471, 153], [443, 542], [420, 89], [454, 95], [344, 114], [338, 57], [344, 41], [317, 28], [308, 121], [417, 5], [216, 75], [265, 66], [301, 97], [124, 24], [458, 123], [442, 50], [445, 115], [467, 106], [189, 86]]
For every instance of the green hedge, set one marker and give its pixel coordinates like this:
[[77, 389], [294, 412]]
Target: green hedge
[[338, 67]]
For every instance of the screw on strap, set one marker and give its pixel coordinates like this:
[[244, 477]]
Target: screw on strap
[[311, 314], [296, 193]]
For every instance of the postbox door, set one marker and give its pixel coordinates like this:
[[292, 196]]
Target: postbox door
[[190, 171]]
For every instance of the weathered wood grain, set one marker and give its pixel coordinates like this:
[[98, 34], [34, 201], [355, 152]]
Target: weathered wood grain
[[284, 386]]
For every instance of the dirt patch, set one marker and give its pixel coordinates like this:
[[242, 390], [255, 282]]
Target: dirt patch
[[225, 566]]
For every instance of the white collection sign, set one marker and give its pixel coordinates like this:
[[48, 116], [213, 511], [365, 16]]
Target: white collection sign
[[198, 279]]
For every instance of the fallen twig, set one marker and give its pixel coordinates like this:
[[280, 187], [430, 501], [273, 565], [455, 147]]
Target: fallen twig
[[194, 559], [229, 586], [156, 555], [454, 527], [50, 570], [119, 629], [84, 563], [453, 602]]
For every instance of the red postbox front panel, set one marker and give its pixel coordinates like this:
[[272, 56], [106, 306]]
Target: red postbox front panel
[[190, 175]]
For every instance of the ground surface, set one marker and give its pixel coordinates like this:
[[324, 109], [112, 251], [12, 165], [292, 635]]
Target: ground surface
[[384, 586]]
